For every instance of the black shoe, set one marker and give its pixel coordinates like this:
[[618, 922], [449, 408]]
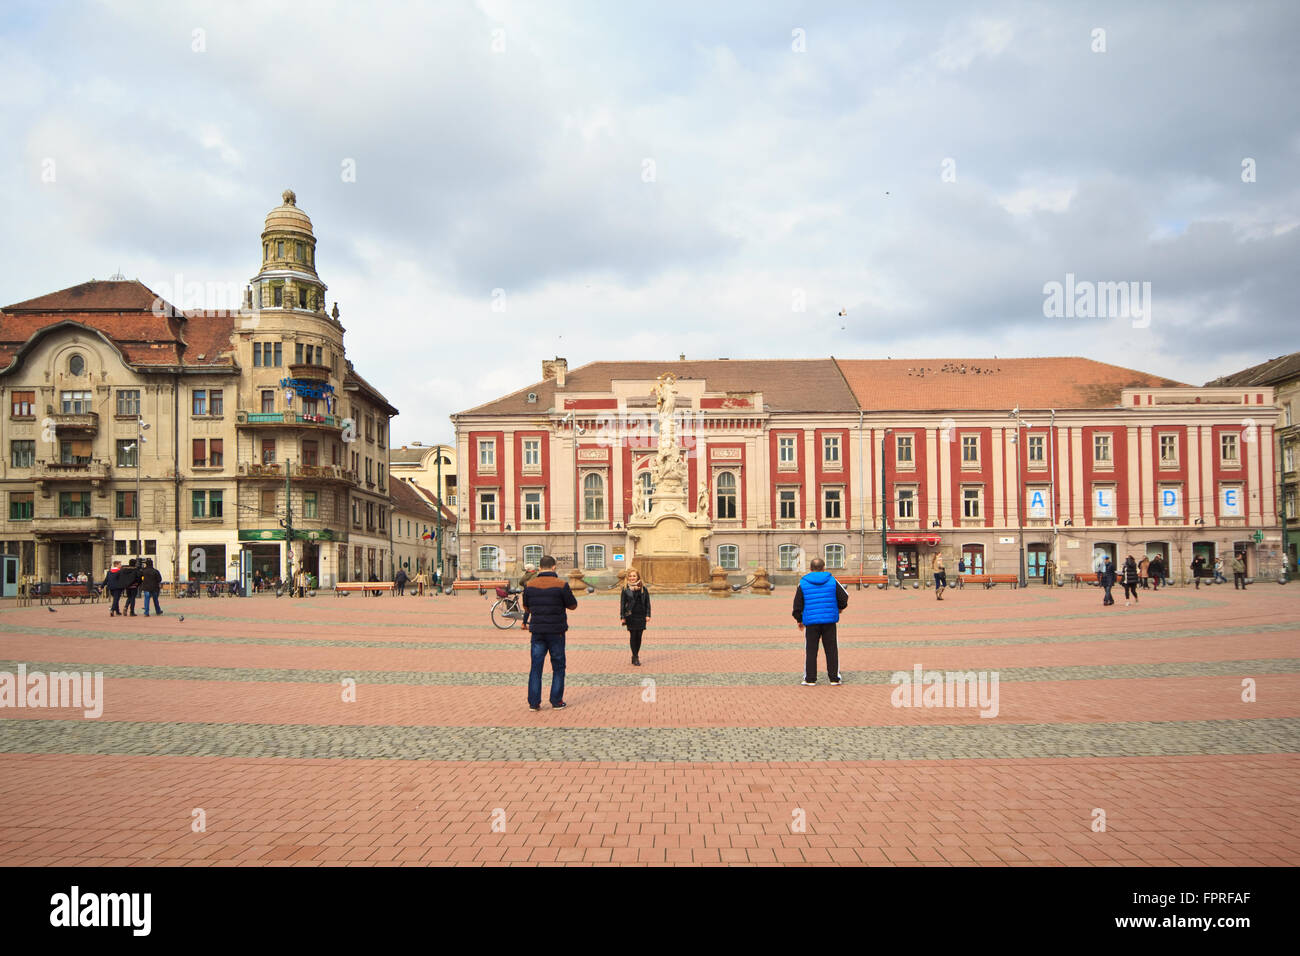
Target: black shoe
[[636, 661], [560, 706], [531, 707]]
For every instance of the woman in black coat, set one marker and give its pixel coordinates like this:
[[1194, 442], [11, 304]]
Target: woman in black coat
[[1130, 579], [634, 611]]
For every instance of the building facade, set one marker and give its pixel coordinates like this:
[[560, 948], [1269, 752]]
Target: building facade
[[203, 434], [433, 467], [1060, 459]]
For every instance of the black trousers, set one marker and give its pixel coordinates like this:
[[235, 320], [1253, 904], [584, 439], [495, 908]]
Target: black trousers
[[634, 635], [1238, 577], [1130, 590], [130, 599], [824, 633]]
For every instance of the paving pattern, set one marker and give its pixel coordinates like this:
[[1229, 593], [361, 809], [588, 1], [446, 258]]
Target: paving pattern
[[394, 731]]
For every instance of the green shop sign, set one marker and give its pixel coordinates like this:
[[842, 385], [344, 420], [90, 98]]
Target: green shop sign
[[277, 534]]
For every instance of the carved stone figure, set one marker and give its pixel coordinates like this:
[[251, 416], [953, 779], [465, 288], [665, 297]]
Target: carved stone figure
[[702, 502]]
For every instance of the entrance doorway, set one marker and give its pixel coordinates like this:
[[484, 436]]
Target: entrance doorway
[[1100, 552], [74, 558], [266, 562], [1036, 562], [906, 561], [973, 555]]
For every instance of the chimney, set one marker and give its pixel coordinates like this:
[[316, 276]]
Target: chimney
[[555, 368]]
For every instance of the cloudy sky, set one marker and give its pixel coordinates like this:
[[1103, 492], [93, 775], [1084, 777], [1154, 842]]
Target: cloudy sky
[[609, 180]]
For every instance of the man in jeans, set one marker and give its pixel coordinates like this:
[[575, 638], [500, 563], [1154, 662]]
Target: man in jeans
[[547, 601], [150, 585], [818, 600]]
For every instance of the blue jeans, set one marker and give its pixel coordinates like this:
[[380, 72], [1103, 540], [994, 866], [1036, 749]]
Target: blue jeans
[[147, 596], [541, 645]]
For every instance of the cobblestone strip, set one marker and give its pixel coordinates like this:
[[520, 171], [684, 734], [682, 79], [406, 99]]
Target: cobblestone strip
[[618, 639], [713, 679], [954, 742]]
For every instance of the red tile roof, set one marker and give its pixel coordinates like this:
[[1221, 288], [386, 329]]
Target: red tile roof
[[413, 498], [1273, 372], [991, 384]]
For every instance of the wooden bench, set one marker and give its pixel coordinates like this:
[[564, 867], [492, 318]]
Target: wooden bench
[[861, 579], [364, 587], [477, 585], [1089, 577], [66, 592], [989, 580]]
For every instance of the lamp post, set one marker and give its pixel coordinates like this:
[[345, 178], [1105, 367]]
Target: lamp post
[[1020, 494], [441, 499], [572, 419], [141, 426], [884, 509]]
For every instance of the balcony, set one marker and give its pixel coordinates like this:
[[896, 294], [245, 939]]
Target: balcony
[[310, 371], [253, 470], [87, 422], [324, 473], [70, 525], [97, 471], [281, 419]]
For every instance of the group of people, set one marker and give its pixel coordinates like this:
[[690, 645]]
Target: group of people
[[419, 582], [1134, 574], [130, 581], [547, 599]]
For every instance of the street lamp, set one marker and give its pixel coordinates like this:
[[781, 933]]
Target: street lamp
[[884, 508], [1020, 490], [577, 430], [141, 426]]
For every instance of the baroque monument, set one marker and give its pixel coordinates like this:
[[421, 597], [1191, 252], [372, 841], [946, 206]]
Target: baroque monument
[[666, 540]]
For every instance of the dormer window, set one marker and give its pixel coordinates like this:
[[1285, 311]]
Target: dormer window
[[76, 365]]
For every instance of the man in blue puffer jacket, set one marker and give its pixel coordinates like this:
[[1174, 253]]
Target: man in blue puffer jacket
[[817, 604]]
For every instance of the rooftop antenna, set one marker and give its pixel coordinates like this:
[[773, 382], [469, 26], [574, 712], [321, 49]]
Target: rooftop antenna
[[117, 276]]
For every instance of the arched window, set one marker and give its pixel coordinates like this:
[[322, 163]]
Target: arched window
[[647, 497], [76, 365], [726, 485], [593, 498], [729, 557], [788, 557], [834, 554], [489, 558], [532, 553], [594, 557]]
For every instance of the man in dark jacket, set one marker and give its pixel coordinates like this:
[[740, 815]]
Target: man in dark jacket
[[130, 582], [113, 583], [818, 600], [400, 581], [547, 600], [150, 584], [1106, 578]]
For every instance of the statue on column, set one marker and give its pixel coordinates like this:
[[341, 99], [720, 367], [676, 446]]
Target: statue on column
[[666, 391]]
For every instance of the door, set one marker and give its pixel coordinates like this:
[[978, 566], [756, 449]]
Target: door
[[973, 555], [905, 560], [1036, 562], [9, 580], [1206, 550], [74, 558]]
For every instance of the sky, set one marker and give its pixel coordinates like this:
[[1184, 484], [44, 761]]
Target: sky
[[496, 183]]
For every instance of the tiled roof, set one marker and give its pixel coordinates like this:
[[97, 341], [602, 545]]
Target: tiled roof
[[786, 384], [354, 380], [130, 295], [991, 384], [414, 498], [408, 456], [1272, 372]]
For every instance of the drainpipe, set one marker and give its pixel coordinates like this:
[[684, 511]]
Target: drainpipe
[[862, 502], [176, 479], [1056, 545]]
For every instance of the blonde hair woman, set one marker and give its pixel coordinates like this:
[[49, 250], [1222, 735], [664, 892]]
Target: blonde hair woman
[[634, 611]]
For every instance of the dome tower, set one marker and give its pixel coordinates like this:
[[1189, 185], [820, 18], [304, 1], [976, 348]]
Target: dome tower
[[288, 279]]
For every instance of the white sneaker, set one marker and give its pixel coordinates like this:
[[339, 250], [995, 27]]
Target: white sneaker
[[809, 683]]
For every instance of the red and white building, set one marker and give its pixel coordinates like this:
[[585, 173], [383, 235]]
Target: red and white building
[[1066, 457]]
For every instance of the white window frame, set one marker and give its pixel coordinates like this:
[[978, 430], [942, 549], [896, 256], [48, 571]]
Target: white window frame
[[1229, 440], [831, 450], [593, 549], [1039, 443], [533, 554], [1172, 439], [787, 557], [787, 452], [905, 493], [792, 496], [836, 563], [539, 504], [495, 563], [838, 499], [909, 461], [973, 443], [732, 560], [484, 503], [532, 450], [734, 494], [487, 454], [1102, 441], [590, 513], [967, 500]]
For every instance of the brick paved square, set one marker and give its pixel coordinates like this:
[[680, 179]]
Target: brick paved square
[[1166, 732]]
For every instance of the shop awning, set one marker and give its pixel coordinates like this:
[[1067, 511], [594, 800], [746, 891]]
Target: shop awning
[[931, 539]]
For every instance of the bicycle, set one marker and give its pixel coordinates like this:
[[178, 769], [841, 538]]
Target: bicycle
[[507, 611]]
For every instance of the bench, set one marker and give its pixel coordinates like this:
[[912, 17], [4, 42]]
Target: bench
[[861, 579], [66, 592], [1087, 577], [364, 587], [483, 586], [989, 580]]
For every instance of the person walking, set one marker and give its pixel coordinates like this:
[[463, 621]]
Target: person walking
[[400, 582], [547, 599], [1218, 571], [130, 582], [150, 585], [1049, 573], [818, 600], [1144, 571], [530, 572], [113, 584], [961, 570], [634, 611], [1157, 571], [900, 567], [1238, 570], [1130, 580], [1106, 578], [1198, 563], [940, 576]]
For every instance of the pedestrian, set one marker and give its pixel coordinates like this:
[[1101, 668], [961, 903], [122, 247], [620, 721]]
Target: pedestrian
[[375, 579], [547, 600], [1238, 570], [1144, 570], [530, 572], [940, 576], [1198, 563], [1049, 574], [818, 600], [130, 580], [900, 564], [1218, 571], [150, 585], [400, 582], [113, 584], [634, 611], [1106, 578], [1130, 580], [961, 570], [1157, 571]]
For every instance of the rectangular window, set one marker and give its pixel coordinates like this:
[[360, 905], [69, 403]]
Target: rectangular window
[[277, 295], [268, 400], [532, 453], [970, 502], [126, 504], [257, 356], [23, 403], [370, 479], [75, 403], [276, 358], [309, 505], [729, 557], [126, 453], [379, 473], [1228, 447], [487, 506], [831, 449], [903, 446], [1168, 450], [356, 513], [593, 557], [310, 454], [789, 503], [785, 450], [835, 556], [907, 502], [833, 503], [199, 504], [970, 449], [200, 402], [267, 508], [1101, 449], [297, 353], [74, 504], [487, 453], [75, 452], [1037, 449], [268, 451], [216, 403], [382, 512], [128, 402], [532, 506], [200, 452], [21, 505], [216, 452], [22, 453], [302, 297]]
